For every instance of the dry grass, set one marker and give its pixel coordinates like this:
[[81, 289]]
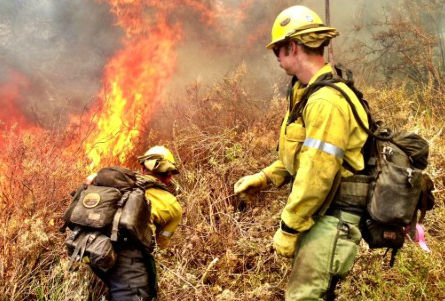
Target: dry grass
[[222, 250]]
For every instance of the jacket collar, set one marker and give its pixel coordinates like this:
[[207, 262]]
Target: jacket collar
[[325, 69]]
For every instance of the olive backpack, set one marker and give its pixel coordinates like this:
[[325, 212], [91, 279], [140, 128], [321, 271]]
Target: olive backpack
[[112, 209]]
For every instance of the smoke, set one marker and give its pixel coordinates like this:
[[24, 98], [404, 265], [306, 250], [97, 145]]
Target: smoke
[[61, 48], [210, 51]]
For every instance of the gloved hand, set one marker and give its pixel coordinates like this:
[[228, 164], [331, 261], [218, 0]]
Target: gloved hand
[[90, 178], [284, 243], [162, 241], [251, 183]]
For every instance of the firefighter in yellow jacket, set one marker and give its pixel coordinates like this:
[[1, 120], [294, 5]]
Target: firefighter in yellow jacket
[[315, 149], [134, 276]]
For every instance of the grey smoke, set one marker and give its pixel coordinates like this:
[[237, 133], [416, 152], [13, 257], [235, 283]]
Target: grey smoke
[[61, 46]]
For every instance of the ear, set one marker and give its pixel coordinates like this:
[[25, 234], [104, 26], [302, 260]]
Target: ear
[[293, 47]]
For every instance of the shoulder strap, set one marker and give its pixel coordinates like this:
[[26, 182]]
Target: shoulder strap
[[329, 80], [296, 111], [146, 181]]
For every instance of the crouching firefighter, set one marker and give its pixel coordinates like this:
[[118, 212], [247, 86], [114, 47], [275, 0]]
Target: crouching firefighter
[[118, 216], [320, 143]]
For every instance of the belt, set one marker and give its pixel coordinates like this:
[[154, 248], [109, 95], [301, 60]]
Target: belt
[[352, 194], [345, 216]]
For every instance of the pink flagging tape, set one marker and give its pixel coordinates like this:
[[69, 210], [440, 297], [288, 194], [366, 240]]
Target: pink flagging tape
[[419, 237]]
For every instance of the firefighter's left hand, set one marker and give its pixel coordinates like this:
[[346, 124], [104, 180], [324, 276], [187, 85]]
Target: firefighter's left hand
[[162, 242]]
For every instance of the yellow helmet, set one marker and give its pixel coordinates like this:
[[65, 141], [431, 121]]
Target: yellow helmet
[[159, 159], [295, 21]]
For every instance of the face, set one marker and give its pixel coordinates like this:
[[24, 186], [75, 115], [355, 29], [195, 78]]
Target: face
[[285, 56], [166, 177]]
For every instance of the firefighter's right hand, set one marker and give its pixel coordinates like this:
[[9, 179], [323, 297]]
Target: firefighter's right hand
[[284, 243], [251, 183]]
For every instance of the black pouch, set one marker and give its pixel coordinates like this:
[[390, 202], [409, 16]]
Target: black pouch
[[379, 235], [93, 248]]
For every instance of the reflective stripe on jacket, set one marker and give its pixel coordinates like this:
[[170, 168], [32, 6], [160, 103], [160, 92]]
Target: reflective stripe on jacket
[[312, 151]]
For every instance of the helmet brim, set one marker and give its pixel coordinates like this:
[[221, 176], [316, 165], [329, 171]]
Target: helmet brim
[[305, 31]]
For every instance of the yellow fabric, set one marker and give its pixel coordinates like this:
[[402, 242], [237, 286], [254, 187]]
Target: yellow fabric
[[316, 39], [284, 243], [166, 213], [327, 118]]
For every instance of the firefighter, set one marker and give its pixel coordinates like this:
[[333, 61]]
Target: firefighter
[[317, 148], [134, 277]]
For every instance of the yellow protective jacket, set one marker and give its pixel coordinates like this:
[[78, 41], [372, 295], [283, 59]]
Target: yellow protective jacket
[[312, 149], [166, 214]]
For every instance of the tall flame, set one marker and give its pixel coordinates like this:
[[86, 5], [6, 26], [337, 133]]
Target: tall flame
[[133, 81]]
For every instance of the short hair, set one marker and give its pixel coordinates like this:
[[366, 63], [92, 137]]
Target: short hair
[[314, 51]]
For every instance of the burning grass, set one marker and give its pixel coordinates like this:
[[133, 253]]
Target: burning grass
[[223, 248]]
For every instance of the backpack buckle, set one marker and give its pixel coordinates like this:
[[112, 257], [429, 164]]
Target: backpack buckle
[[387, 152], [410, 176]]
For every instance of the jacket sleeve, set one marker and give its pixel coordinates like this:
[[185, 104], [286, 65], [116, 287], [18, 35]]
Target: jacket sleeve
[[166, 212], [321, 156], [277, 173]]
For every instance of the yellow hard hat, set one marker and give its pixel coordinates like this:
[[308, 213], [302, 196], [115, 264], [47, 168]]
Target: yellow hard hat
[[294, 21], [159, 159]]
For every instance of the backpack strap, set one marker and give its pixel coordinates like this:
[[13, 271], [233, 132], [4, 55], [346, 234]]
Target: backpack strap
[[145, 182], [393, 255], [80, 245], [117, 216]]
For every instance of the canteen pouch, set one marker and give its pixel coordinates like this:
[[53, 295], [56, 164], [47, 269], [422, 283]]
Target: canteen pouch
[[395, 194], [135, 218]]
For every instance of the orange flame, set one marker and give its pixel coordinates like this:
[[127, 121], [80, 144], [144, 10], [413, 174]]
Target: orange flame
[[10, 100], [13, 121], [133, 81]]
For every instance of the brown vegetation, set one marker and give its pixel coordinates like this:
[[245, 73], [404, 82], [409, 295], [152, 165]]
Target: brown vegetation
[[222, 250]]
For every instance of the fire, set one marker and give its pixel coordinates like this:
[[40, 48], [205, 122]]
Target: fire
[[133, 81], [13, 121], [11, 100], [137, 75]]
